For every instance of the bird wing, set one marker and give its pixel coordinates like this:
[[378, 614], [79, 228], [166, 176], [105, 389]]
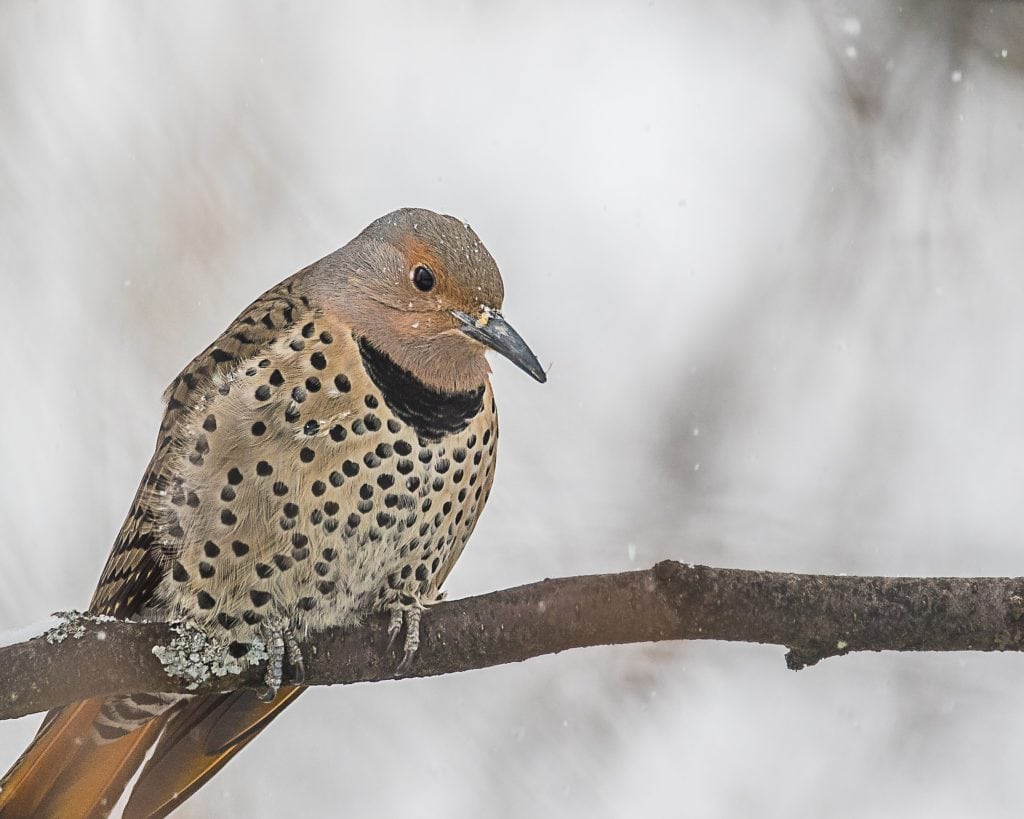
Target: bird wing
[[136, 565], [64, 772]]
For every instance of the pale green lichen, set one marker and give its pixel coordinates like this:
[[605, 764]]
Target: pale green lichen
[[72, 624], [194, 656]]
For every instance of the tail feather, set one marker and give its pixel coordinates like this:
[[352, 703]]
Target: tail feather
[[65, 773], [200, 739]]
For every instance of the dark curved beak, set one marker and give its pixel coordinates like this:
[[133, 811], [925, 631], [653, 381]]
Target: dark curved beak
[[491, 329]]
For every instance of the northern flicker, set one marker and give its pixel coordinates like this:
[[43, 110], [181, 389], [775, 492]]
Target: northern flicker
[[328, 456]]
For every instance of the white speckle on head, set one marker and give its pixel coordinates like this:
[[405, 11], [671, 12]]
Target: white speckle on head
[[486, 314]]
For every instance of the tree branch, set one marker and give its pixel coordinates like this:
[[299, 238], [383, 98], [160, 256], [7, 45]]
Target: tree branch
[[815, 616]]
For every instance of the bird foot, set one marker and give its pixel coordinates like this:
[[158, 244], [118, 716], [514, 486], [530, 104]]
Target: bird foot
[[411, 618], [281, 647]]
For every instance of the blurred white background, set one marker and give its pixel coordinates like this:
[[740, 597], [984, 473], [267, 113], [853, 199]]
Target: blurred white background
[[771, 250]]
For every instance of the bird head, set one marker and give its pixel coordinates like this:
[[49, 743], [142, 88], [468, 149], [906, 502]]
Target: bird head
[[423, 289]]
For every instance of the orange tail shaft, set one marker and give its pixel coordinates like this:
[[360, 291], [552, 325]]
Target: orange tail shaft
[[65, 773]]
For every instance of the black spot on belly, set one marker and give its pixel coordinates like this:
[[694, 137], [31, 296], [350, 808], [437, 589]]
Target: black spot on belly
[[431, 413], [237, 649], [283, 562]]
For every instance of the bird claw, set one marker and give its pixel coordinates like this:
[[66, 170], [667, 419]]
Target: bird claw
[[405, 664], [281, 646], [394, 627], [294, 656], [412, 619]]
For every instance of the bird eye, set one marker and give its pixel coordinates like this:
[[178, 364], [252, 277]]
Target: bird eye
[[423, 278]]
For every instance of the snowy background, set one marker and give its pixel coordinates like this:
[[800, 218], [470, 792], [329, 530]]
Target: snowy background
[[772, 251]]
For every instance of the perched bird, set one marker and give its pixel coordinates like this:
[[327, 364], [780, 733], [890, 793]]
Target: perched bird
[[328, 456]]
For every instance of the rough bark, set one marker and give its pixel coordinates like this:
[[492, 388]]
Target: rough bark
[[814, 616]]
